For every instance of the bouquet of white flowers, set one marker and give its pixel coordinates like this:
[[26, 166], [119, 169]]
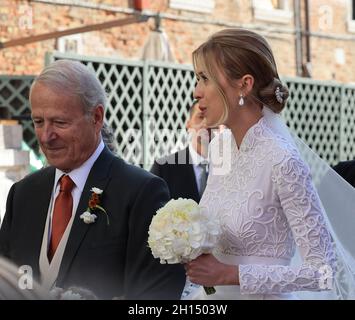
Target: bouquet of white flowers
[[179, 233]]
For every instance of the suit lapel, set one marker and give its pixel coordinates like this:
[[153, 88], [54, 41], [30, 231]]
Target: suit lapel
[[98, 177], [193, 183], [192, 177], [41, 196]]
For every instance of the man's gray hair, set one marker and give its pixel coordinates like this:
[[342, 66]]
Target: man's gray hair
[[74, 78]]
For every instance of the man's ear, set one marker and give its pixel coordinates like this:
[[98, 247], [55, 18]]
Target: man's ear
[[98, 116]]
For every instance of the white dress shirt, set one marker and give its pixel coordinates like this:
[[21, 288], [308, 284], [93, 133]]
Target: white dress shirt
[[79, 177], [49, 271]]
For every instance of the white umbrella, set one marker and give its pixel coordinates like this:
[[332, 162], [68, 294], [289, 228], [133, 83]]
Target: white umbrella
[[157, 46]]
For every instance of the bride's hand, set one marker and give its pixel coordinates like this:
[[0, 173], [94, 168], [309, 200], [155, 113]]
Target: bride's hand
[[206, 270]]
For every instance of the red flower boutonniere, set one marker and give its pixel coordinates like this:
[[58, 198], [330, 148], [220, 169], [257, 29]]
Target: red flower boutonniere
[[94, 204]]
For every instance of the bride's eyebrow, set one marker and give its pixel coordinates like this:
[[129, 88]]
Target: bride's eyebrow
[[200, 74]]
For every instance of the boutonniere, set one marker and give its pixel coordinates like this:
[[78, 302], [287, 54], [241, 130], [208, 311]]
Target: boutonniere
[[94, 205]]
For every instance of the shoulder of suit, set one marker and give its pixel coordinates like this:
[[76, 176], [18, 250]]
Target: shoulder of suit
[[41, 173], [122, 169], [345, 165], [38, 178], [172, 158]]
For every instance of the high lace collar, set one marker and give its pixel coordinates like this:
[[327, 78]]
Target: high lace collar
[[250, 137]]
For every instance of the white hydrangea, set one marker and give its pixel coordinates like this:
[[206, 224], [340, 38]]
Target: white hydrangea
[[70, 295], [179, 232]]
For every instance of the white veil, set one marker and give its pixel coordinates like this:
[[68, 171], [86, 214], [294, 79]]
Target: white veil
[[338, 200]]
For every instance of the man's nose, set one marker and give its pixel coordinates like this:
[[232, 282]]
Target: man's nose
[[47, 133]]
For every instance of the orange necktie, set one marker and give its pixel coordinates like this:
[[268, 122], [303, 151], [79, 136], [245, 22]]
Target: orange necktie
[[62, 212]]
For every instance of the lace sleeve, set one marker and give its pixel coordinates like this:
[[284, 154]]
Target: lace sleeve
[[301, 205]]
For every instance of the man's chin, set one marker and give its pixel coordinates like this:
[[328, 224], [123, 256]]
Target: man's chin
[[55, 152], [59, 165]]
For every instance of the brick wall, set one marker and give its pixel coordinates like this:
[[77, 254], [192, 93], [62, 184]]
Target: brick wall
[[127, 42], [331, 17]]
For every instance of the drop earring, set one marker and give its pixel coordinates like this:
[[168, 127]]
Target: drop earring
[[241, 100]]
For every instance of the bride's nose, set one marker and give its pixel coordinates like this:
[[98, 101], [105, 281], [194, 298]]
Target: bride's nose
[[198, 91]]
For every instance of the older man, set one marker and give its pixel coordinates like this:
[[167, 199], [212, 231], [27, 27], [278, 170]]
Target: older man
[[105, 249]]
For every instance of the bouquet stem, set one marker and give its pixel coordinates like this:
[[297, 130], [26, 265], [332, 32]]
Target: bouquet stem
[[209, 290]]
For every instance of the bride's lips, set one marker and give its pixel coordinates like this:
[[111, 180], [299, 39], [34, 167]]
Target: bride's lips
[[203, 109]]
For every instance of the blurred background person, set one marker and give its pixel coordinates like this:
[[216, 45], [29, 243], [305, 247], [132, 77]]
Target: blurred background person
[[108, 138], [347, 170], [186, 171]]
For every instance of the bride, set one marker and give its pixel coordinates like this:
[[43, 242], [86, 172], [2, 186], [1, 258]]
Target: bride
[[262, 193]]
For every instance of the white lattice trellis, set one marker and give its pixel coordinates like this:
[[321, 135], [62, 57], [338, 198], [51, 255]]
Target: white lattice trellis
[[347, 133], [313, 113], [169, 97], [148, 106], [14, 92]]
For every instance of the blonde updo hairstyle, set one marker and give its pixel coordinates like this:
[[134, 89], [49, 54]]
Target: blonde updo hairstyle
[[235, 53]]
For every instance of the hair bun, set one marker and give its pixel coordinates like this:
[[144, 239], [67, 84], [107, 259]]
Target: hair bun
[[274, 95]]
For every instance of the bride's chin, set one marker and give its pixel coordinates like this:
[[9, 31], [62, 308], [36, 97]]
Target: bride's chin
[[208, 123]]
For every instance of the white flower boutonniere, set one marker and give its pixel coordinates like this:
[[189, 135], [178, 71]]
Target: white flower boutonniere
[[96, 190], [88, 217], [94, 205]]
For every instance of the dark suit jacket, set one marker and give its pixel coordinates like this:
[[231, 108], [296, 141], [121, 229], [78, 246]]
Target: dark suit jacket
[[111, 260], [178, 172], [347, 170]]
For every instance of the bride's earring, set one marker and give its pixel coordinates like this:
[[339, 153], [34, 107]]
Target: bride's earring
[[241, 100]]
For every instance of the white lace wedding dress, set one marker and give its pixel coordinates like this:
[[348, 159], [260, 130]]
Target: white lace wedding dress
[[267, 206]]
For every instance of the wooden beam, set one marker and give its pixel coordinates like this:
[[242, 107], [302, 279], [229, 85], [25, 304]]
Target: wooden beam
[[58, 34]]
